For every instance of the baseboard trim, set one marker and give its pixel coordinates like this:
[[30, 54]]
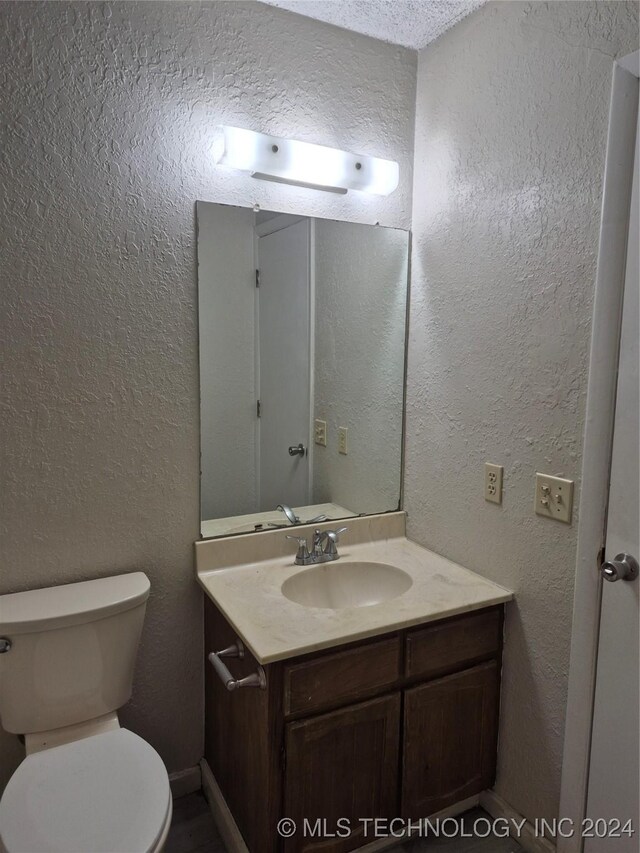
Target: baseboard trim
[[234, 841], [228, 828], [527, 839], [381, 844], [185, 782]]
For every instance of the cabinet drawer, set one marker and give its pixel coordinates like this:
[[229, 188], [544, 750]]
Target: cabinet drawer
[[342, 676], [453, 644]]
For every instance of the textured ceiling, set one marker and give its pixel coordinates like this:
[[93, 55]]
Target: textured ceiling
[[412, 23]]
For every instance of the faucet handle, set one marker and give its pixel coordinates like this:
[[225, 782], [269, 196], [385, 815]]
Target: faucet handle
[[302, 553], [333, 537]]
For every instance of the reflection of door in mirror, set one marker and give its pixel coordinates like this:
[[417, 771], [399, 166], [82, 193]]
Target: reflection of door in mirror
[[226, 301], [284, 373]]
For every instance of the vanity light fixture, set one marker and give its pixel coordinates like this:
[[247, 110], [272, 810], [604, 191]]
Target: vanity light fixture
[[304, 163]]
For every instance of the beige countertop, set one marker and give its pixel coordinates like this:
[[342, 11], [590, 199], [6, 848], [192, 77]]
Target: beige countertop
[[247, 590]]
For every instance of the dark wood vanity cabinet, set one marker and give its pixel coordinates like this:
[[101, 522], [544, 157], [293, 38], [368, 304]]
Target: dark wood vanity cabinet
[[397, 726]]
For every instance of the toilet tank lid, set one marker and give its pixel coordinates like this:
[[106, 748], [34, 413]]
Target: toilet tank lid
[[71, 604]]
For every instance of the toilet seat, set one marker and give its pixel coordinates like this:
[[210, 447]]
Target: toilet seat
[[108, 793]]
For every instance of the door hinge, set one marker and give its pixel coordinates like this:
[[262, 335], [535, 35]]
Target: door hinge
[[257, 278], [258, 408], [600, 557]]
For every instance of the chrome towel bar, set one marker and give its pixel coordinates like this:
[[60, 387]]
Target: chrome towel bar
[[256, 679]]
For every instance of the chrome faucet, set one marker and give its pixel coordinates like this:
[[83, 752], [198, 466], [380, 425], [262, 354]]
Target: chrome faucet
[[323, 547], [292, 518]]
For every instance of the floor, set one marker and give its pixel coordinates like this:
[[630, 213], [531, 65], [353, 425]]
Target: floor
[[192, 828], [193, 831]]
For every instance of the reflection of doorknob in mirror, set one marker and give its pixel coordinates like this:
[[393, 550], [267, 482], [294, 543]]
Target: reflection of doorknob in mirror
[[297, 450], [624, 567]]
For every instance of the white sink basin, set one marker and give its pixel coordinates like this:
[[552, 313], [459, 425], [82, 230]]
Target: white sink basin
[[336, 585]]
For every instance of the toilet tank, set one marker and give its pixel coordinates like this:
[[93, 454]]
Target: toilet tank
[[72, 651]]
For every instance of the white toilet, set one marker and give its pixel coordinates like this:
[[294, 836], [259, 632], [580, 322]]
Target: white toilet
[[67, 655]]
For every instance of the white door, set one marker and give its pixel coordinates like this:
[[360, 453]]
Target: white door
[[614, 768], [284, 335]]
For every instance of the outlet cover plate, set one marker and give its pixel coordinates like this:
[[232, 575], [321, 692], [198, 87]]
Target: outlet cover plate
[[554, 497], [493, 482], [320, 432], [342, 440]]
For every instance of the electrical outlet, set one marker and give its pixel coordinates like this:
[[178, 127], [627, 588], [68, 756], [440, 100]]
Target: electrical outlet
[[342, 440], [554, 497], [320, 432], [493, 483]]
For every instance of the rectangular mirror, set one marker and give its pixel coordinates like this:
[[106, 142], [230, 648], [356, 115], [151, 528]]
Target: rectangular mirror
[[302, 365]]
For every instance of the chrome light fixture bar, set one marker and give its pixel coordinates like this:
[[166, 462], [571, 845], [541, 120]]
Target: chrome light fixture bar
[[303, 163]]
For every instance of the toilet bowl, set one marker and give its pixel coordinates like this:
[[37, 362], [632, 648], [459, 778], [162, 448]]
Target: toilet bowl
[[108, 793], [86, 785]]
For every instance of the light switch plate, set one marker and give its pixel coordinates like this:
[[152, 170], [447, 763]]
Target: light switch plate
[[320, 432], [554, 497], [342, 440], [493, 482]]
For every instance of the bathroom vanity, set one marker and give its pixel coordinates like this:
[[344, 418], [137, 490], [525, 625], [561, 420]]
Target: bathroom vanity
[[381, 711], [338, 690]]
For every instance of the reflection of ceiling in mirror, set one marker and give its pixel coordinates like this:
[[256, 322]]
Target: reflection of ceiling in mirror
[[265, 216]]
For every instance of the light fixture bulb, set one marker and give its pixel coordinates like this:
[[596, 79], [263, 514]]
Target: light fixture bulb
[[305, 163]]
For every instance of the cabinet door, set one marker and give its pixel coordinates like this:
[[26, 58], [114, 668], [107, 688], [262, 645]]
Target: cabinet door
[[450, 739], [342, 765]]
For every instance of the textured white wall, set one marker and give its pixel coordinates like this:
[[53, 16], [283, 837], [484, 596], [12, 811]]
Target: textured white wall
[[107, 110], [226, 318], [511, 122], [361, 299]]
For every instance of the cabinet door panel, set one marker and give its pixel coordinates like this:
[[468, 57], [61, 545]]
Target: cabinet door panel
[[342, 765], [450, 739]]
